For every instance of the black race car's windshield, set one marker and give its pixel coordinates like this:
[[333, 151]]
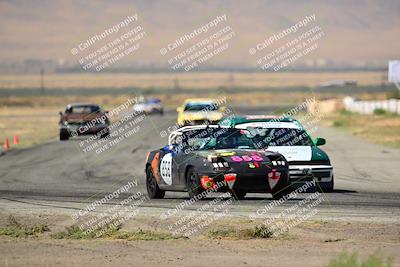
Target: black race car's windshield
[[217, 138], [201, 106], [265, 137]]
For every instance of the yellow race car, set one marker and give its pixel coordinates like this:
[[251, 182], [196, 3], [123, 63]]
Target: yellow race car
[[196, 111]]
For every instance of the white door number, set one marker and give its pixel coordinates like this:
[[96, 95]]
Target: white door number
[[166, 168]]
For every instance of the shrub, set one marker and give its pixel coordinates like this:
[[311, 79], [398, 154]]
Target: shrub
[[17, 229], [379, 111], [374, 260]]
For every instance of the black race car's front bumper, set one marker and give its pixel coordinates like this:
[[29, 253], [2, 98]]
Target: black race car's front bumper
[[250, 181]]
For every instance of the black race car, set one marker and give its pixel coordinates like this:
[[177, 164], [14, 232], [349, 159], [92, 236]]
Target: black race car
[[199, 159]]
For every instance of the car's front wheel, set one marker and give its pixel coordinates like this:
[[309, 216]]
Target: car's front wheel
[[282, 192], [326, 187], [238, 194], [105, 133], [64, 135], [152, 187], [193, 183]]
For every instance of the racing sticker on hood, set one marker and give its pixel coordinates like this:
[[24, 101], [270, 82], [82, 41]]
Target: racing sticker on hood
[[293, 153], [166, 168]]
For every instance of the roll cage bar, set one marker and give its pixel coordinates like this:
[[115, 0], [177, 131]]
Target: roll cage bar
[[181, 130]]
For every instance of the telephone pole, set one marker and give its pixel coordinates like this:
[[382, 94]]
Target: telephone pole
[[42, 79]]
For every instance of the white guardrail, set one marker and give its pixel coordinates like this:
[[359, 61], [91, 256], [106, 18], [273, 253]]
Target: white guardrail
[[368, 107]]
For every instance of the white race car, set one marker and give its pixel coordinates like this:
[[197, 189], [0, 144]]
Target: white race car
[[149, 106], [288, 137]]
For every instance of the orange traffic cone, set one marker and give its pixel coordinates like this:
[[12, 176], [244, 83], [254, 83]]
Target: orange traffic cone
[[16, 139], [6, 145]]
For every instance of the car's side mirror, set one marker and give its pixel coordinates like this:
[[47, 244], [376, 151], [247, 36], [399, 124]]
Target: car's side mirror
[[179, 109], [320, 141], [60, 113]]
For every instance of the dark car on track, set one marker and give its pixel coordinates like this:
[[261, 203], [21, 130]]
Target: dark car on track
[[202, 158], [83, 119]]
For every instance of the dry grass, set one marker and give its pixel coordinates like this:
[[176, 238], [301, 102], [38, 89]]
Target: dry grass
[[200, 80], [32, 125], [61, 101], [15, 228], [381, 129]]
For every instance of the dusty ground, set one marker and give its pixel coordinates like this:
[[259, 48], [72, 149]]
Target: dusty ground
[[313, 242]]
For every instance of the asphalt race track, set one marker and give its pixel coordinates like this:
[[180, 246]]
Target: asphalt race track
[[60, 176]]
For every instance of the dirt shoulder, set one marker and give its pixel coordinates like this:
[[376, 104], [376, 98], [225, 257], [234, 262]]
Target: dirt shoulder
[[312, 243]]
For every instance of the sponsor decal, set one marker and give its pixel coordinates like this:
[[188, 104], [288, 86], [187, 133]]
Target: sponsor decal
[[226, 154], [207, 182], [247, 158], [253, 165], [273, 178], [230, 179], [154, 166]]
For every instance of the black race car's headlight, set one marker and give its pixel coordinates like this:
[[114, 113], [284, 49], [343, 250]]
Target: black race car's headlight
[[278, 162], [217, 163], [220, 165]]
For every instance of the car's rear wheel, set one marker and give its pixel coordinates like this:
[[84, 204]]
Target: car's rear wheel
[[193, 183], [238, 194], [326, 187], [64, 135], [152, 187]]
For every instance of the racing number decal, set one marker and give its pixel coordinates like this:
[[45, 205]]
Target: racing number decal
[[247, 158], [166, 168]]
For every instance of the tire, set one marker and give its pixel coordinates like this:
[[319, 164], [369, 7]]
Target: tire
[[238, 194], [64, 135], [153, 190], [282, 192], [193, 183], [105, 134], [326, 187]]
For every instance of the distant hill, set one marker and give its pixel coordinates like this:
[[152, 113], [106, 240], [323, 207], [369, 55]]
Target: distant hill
[[356, 32]]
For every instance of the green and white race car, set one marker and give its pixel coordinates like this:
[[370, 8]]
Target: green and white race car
[[288, 137]]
